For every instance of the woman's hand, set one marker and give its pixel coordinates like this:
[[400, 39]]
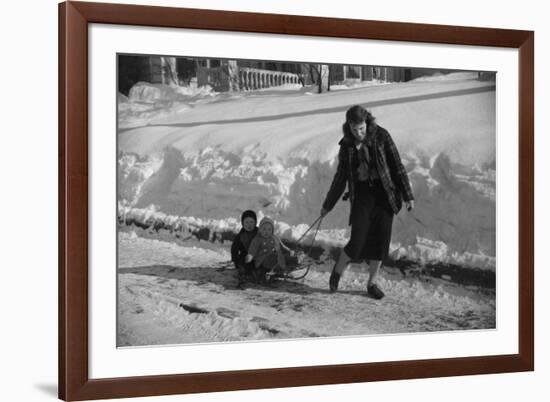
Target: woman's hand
[[248, 258], [409, 205]]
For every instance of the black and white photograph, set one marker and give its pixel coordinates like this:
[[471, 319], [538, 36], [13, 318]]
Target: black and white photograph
[[267, 200]]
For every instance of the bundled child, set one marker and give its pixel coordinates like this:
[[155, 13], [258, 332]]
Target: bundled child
[[268, 252], [240, 245]]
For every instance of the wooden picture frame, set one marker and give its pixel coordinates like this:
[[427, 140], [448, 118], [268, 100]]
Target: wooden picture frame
[[74, 381]]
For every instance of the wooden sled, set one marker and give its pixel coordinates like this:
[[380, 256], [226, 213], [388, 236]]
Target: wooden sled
[[299, 264]]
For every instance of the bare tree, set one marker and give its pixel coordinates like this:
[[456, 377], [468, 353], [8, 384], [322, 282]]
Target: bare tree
[[169, 69], [319, 75]]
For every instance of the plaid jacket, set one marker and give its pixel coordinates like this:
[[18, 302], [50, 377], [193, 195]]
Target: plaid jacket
[[392, 173]]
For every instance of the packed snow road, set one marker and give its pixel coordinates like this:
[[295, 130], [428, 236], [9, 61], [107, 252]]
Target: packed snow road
[[173, 294]]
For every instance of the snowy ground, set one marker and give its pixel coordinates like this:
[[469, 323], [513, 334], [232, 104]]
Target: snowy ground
[[190, 161], [174, 294]]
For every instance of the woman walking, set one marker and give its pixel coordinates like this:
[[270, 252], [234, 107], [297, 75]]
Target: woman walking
[[370, 165]]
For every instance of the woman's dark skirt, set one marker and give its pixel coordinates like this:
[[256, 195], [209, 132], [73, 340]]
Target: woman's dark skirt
[[371, 223]]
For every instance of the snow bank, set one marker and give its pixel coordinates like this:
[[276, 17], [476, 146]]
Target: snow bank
[[133, 172], [458, 211], [121, 98], [147, 102], [426, 251], [284, 87], [352, 84], [153, 93], [276, 155], [422, 250], [441, 77]]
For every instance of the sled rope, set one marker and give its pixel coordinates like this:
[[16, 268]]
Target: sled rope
[[318, 221]]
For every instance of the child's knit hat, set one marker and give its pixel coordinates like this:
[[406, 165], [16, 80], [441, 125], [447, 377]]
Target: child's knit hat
[[249, 214], [266, 220]]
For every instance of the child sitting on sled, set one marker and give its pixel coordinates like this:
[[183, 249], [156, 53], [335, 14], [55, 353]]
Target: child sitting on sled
[[268, 252], [240, 245]]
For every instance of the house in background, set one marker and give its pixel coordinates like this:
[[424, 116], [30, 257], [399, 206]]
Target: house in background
[[246, 75]]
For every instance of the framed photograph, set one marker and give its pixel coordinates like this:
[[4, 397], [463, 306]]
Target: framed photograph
[[257, 201]]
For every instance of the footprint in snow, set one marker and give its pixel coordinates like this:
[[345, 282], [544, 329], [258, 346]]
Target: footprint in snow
[[193, 309], [263, 324], [227, 313]]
